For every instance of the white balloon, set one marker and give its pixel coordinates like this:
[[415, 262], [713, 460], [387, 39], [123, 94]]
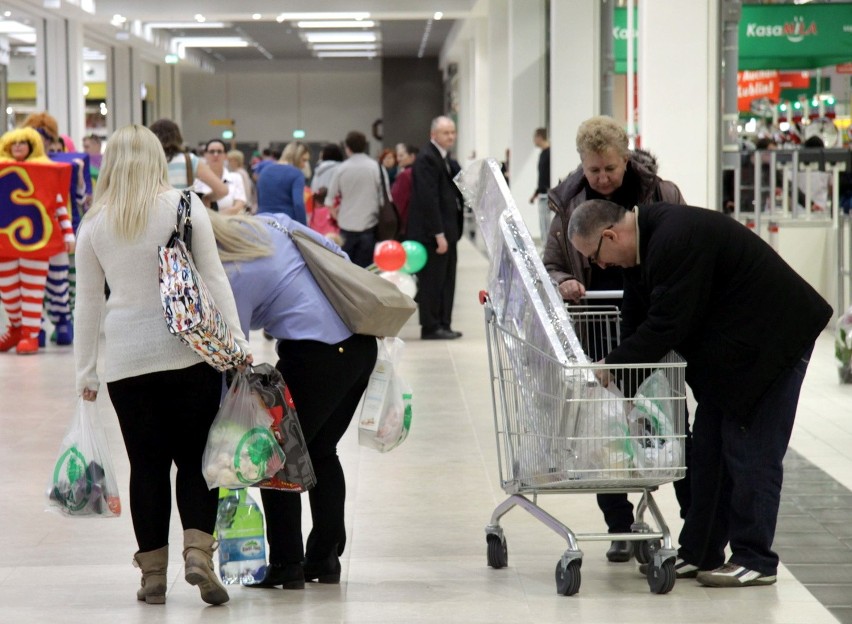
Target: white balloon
[[403, 281]]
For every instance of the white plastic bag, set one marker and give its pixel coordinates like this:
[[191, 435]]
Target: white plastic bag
[[241, 449], [843, 347], [656, 446], [385, 417], [602, 444], [83, 481]]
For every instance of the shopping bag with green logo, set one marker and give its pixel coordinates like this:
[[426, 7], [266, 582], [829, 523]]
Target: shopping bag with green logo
[[385, 413], [241, 449], [82, 482]]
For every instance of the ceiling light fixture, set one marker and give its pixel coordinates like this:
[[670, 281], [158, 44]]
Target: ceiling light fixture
[[343, 46], [185, 25], [200, 18], [118, 20], [340, 37], [256, 16], [294, 17], [438, 15], [351, 54], [337, 24], [210, 42], [425, 39], [7, 14]]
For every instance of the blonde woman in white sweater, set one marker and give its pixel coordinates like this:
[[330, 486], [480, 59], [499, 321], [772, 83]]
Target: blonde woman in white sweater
[[165, 396]]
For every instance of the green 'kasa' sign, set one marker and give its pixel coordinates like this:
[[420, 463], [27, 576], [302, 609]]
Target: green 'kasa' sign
[[795, 36], [774, 36]]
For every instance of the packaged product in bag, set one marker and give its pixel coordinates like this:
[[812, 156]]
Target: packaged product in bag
[[297, 474], [385, 416], [656, 446], [241, 449], [242, 542], [602, 442], [83, 481]]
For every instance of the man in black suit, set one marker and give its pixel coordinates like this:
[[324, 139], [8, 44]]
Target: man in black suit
[[700, 283], [435, 220]]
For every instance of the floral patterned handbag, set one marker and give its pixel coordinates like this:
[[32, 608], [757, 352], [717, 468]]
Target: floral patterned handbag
[[189, 309]]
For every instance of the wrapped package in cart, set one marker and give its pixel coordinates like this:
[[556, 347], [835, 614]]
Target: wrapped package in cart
[[656, 448], [602, 437]]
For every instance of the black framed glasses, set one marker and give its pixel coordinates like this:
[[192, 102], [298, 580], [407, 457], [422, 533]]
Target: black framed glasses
[[593, 259]]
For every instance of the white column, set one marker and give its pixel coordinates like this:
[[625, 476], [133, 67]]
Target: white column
[[679, 93], [575, 78], [59, 77], [124, 74], [527, 64], [496, 106]]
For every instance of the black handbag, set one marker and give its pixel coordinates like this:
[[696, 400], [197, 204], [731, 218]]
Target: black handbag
[[389, 225]]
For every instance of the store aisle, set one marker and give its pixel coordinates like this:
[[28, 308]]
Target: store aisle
[[416, 516]]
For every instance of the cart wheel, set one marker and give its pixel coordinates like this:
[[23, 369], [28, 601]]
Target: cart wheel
[[568, 580], [644, 551], [498, 553], [661, 580]]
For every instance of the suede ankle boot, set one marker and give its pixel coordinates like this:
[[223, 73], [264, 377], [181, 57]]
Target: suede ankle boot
[[198, 548], [153, 565]]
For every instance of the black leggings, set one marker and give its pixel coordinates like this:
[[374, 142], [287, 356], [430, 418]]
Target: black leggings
[[326, 382], [164, 418]]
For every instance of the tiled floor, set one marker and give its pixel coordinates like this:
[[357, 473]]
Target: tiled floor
[[416, 516]]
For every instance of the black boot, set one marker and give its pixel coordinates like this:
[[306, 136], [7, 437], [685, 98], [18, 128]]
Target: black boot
[[620, 551], [288, 575], [324, 570]]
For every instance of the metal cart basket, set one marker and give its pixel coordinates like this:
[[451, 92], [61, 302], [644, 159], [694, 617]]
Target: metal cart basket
[[559, 430]]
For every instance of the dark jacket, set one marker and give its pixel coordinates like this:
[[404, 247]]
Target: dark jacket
[[709, 288], [435, 205], [561, 260]]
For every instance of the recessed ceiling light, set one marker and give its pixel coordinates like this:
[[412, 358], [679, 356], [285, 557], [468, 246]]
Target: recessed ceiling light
[[351, 54], [343, 46], [7, 14], [294, 17], [256, 16], [118, 20], [211, 42], [200, 18], [340, 37], [336, 24], [186, 25], [438, 15]]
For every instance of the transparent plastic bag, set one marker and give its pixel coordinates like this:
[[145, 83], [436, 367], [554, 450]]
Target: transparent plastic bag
[[602, 444], [83, 480], [241, 449], [385, 416], [652, 428], [843, 347]]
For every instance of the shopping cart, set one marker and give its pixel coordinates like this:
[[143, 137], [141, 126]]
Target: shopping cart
[[560, 431]]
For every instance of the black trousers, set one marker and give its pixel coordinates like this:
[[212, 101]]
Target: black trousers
[[737, 471], [436, 288], [326, 382], [359, 246], [164, 418]]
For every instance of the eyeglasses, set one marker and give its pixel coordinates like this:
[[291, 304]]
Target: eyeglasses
[[593, 259], [215, 151]]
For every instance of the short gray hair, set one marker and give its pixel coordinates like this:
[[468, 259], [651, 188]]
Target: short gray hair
[[437, 121], [592, 217]]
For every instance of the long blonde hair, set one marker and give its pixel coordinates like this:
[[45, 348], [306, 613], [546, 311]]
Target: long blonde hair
[[133, 173], [240, 238]]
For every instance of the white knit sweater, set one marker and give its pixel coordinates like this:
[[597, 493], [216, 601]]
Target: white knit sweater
[[137, 340]]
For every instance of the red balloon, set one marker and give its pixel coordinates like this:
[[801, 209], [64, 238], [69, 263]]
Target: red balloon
[[389, 255]]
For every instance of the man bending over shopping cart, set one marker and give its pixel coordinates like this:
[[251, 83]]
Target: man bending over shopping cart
[[700, 283]]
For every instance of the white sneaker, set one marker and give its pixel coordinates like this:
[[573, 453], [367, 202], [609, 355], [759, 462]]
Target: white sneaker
[[734, 575]]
